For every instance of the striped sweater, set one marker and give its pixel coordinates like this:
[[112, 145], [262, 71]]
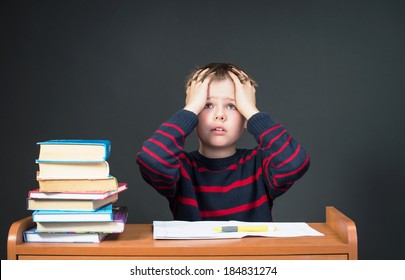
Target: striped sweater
[[240, 187]]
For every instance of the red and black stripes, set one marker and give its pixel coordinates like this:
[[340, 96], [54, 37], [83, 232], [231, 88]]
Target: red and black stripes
[[241, 187]]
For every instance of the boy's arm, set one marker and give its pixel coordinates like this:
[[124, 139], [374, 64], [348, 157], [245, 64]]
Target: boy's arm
[[159, 159], [284, 160]]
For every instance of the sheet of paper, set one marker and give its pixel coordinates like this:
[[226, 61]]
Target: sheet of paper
[[206, 229]]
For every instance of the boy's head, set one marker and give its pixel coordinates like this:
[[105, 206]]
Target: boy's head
[[220, 72], [220, 123]]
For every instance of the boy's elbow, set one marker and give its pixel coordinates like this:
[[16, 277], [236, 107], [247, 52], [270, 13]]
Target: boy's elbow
[[291, 173], [139, 158], [143, 159], [302, 165], [306, 164]]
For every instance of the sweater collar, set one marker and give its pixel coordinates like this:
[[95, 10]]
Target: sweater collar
[[217, 163]]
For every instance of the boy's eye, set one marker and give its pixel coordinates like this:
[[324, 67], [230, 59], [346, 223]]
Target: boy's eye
[[208, 106], [232, 106]]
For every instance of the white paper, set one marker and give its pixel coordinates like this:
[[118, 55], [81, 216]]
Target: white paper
[[205, 229]]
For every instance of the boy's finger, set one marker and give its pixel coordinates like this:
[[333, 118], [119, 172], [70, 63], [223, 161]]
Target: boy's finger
[[235, 78], [195, 76], [243, 77], [200, 75], [207, 78]]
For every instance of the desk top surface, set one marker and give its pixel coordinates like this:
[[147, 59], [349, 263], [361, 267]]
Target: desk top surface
[[137, 239]]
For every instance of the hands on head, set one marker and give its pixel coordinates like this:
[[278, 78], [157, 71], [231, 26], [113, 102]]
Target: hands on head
[[245, 91], [197, 92]]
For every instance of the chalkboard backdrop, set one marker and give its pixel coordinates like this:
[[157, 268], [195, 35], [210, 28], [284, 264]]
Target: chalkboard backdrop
[[331, 71]]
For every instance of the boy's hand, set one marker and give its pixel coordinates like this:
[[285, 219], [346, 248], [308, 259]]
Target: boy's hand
[[197, 93], [245, 95]]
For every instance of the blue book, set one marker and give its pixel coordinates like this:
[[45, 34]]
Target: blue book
[[117, 225], [103, 214], [74, 150]]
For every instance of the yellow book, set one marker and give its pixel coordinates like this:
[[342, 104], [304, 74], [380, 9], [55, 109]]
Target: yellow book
[[78, 185]]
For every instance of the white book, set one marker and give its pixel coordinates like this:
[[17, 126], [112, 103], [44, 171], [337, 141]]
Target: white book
[[66, 237]]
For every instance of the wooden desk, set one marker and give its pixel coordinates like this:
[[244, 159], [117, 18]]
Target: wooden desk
[[136, 242]]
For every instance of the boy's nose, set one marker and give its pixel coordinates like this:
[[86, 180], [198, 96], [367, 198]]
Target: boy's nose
[[219, 116]]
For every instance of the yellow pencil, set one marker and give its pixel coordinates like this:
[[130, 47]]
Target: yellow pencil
[[242, 229]]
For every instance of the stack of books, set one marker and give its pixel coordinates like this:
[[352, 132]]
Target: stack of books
[[76, 194]]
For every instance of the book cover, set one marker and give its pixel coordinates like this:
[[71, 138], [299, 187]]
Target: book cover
[[120, 215], [75, 150], [73, 170], [103, 214], [77, 185], [32, 235], [69, 204], [85, 195]]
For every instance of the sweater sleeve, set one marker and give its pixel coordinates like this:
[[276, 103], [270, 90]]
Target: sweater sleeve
[[283, 160], [159, 159]]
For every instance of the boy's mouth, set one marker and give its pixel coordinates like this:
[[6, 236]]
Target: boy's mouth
[[218, 130]]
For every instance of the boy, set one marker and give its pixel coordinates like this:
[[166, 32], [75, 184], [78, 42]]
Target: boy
[[220, 181]]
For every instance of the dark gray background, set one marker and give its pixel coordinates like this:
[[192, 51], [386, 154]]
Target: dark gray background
[[331, 71]]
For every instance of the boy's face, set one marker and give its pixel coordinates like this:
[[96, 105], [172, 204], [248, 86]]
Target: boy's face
[[221, 125]]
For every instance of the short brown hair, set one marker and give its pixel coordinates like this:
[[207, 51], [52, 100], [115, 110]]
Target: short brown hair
[[220, 71]]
